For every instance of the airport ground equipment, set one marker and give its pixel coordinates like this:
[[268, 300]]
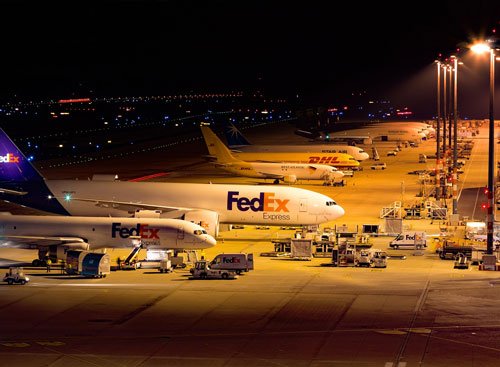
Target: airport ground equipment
[[461, 261], [202, 270], [87, 264], [451, 249], [96, 265], [237, 262], [422, 158], [415, 239], [15, 275], [379, 259], [364, 258], [301, 249], [165, 266]]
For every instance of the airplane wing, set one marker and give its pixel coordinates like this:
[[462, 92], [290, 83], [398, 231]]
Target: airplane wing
[[12, 192], [131, 206], [38, 240]]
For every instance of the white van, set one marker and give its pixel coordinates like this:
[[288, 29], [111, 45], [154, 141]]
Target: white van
[[414, 239], [238, 262]]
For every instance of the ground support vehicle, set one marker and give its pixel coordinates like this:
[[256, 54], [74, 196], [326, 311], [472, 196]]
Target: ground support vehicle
[[379, 259], [416, 240], [15, 275], [376, 166], [202, 270], [461, 261], [165, 266], [237, 262]]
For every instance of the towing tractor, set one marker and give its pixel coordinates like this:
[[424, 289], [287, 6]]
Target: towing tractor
[[202, 270]]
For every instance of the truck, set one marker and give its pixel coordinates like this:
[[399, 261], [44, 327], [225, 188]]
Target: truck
[[202, 270], [237, 262], [15, 275], [416, 240]]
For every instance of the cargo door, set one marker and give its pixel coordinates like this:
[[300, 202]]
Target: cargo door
[[180, 235], [303, 205]]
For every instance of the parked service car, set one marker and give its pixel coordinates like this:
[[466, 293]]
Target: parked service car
[[392, 152], [380, 165]]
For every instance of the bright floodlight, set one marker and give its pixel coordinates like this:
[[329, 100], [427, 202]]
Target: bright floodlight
[[480, 48]]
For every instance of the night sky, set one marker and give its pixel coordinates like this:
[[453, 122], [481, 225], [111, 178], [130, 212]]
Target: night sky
[[321, 52]]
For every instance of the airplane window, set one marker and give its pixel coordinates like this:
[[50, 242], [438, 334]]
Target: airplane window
[[198, 232], [203, 231], [331, 203]]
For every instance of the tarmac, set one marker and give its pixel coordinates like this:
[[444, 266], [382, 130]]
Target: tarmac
[[419, 311]]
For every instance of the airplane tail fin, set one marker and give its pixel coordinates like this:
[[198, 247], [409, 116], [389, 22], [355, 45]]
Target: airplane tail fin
[[14, 166], [216, 147], [20, 182], [235, 137]]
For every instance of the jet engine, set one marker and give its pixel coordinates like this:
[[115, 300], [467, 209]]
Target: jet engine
[[291, 179], [58, 252]]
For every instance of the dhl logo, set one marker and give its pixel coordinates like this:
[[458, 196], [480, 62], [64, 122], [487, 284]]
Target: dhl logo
[[265, 202], [323, 160], [140, 230], [9, 158]]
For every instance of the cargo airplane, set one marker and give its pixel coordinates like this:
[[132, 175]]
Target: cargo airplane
[[368, 134], [238, 143], [53, 234], [287, 172], [204, 204], [338, 160]]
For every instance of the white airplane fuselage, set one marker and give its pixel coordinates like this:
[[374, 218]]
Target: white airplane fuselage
[[356, 152], [105, 232], [297, 171], [270, 205]]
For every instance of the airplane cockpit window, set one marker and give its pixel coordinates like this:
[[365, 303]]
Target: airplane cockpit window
[[199, 232], [331, 203]]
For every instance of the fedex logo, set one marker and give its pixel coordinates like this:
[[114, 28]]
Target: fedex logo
[[264, 203], [231, 260], [323, 160], [141, 230], [9, 158]]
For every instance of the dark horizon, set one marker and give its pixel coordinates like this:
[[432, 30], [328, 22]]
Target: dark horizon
[[320, 52]]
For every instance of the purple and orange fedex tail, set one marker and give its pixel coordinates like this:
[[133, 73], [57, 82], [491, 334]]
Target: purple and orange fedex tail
[[20, 182]]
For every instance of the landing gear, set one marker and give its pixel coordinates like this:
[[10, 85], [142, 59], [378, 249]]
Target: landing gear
[[276, 182], [39, 263]]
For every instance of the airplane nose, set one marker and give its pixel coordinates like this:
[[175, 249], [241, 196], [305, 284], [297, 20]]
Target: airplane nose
[[339, 211], [211, 241]]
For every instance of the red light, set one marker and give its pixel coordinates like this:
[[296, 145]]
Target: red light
[[486, 191], [484, 206]]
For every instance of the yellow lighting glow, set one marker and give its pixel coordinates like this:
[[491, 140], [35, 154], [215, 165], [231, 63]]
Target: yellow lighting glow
[[480, 48]]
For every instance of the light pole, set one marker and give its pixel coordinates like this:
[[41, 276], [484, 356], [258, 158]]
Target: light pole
[[442, 176], [481, 48], [455, 129], [438, 133]]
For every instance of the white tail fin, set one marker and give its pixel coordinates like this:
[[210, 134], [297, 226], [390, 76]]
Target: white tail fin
[[216, 147]]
